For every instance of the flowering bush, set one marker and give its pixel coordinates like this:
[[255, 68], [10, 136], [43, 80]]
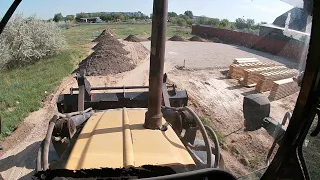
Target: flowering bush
[[26, 40]]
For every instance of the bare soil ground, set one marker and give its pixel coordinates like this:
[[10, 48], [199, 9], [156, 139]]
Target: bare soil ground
[[214, 97]]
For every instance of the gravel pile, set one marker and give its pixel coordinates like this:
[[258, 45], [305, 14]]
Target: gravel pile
[[216, 40], [196, 38], [132, 38], [176, 38]]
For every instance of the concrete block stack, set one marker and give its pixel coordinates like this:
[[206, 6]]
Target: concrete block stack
[[264, 76], [266, 79], [283, 88], [237, 70], [251, 76]]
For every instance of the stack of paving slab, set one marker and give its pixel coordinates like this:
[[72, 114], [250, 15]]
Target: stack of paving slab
[[264, 76], [283, 88], [236, 70]]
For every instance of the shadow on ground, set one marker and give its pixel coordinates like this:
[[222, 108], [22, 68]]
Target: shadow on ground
[[24, 159]]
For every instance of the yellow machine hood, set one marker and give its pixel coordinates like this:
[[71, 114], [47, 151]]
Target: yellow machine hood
[[116, 138]]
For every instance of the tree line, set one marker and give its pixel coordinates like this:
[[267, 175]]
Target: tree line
[[103, 16], [185, 19]]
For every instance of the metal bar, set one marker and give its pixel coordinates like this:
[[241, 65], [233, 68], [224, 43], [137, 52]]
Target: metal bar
[[8, 14], [165, 92], [110, 88], [81, 95], [153, 116]]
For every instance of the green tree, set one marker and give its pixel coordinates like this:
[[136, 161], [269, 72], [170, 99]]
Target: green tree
[[58, 17], [189, 22], [69, 18], [189, 14], [212, 21], [250, 23], [81, 15], [173, 20], [185, 17], [104, 17], [241, 23], [224, 23], [232, 26], [122, 17], [172, 14], [202, 20], [181, 22]]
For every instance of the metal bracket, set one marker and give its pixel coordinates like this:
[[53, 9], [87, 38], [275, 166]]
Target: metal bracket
[[165, 91]]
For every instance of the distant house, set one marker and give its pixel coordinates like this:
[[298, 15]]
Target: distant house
[[125, 13], [91, 20]]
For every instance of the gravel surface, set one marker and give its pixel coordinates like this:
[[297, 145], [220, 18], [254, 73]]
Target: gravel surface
[[213, 55]]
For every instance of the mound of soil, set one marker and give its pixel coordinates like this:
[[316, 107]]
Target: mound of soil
[[108, 57], [105, 62], [108, 39], [101, 46], [109, 31], [196, 38], [216, 40], [106, 32], [132, 38], [176, 38]]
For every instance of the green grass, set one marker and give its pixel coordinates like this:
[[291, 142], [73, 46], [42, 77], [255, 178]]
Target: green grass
[[207, 122], [22, 90], [84, 32]]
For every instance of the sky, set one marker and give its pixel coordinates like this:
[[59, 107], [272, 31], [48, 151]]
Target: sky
[[259, 10]]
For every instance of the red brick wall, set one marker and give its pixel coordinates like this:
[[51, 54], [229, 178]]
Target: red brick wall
[[291, 49]]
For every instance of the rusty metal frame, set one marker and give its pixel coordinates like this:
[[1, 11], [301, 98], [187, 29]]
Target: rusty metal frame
[[153, 116]]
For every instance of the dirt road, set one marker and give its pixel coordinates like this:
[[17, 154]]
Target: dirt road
[[211, 94]]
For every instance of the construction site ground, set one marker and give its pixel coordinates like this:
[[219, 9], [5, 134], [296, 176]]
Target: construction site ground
[[217, 99]]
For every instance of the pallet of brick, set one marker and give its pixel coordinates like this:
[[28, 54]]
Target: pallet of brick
[[266, 79], [251, 76], [283, 88], [245, 60], [236, 70]]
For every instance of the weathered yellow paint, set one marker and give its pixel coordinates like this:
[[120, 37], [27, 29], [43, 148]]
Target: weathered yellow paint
[[117, 138], [128, 157]]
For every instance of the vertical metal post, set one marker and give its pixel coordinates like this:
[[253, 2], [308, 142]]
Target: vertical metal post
[[81, 94], [153, 116]]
